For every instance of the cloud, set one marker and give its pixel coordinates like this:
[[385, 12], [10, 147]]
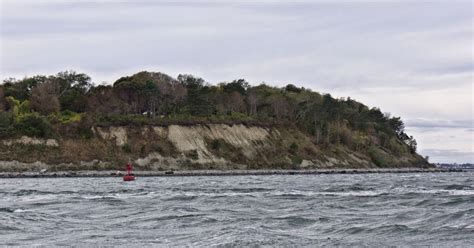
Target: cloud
[[444, 144], [433, 123], [449, 156]]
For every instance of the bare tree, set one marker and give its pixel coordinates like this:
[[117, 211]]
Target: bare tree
[[44, 98], [236, 102], [281, 107], [179, 93], [103, 100], [253, 100]]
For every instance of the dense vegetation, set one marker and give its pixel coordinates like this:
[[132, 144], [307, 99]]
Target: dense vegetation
[[69, 104]]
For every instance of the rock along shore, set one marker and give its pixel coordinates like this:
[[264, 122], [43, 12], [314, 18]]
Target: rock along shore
[[218, 172]]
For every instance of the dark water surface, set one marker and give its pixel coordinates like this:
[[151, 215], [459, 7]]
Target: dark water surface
[[433, 209]]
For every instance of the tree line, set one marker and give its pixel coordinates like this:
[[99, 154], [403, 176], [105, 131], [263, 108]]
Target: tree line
[[41, 104]]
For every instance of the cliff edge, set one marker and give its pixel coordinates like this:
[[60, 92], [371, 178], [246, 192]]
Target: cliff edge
[[194, 147]]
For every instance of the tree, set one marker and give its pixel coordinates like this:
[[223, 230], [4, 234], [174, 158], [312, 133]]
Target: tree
[[199, 101], [240, 86], [179, 94], [151, 93], [129, 93], [396, 124], [191, 82], [280, 106], [236, 102], [293, 88], [198, 95], [72, 90], [21, 89], [104, 101], [3, 103], [71, 79], [253, 101], [44, 98], [74, 100], [412, 144]]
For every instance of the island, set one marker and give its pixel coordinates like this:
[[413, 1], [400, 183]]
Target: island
[[65, 122]]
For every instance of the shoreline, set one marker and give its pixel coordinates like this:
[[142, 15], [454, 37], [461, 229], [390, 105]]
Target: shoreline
[[194, 173]]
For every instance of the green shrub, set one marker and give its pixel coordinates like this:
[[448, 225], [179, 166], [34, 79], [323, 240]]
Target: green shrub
[[396, 146], [216, 144], [6, 128], [85, 133], [293, 148], [296, 160], [68, 116], [34, 125], [84, 128], [377, 157], [157, 148], [127, 148], [359, 141], [193, 154]]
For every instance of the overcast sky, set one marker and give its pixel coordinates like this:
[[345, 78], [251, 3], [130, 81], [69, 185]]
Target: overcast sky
[[413, 59]]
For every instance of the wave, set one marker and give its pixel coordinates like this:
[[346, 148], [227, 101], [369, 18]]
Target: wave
[[345, 188], [454, 192], [456, 187], [4, 228], [170, 196], [181, 198], [395, 229], [7, 210], [361, 193], [113, 198], [12, 210], [297, 221]]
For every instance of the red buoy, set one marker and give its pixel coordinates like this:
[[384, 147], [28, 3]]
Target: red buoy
[[129, 176]]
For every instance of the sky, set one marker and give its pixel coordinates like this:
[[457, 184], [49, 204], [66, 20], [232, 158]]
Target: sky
[[412, 59]]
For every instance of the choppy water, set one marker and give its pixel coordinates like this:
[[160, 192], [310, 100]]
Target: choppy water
[[307, 210]]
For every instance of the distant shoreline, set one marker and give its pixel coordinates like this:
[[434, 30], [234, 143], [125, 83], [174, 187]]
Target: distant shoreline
[[187, 173]]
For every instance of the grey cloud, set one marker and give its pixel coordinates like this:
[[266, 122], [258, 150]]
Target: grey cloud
[[333, 46], [447, 152], [433, 123], [449, 155], [465, 67]]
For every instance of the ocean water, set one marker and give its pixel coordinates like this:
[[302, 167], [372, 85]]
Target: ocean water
[[429, 209]]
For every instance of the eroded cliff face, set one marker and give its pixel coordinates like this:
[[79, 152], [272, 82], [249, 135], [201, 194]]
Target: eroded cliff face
[[175, 147]]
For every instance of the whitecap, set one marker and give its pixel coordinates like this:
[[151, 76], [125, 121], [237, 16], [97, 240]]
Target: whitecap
[[354, 193], [19, 210], [346, 193], [461, 192], [445, 191], [34, 198]]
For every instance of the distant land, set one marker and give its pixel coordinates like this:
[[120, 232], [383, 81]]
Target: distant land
[[157, 122], [455, 166]]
